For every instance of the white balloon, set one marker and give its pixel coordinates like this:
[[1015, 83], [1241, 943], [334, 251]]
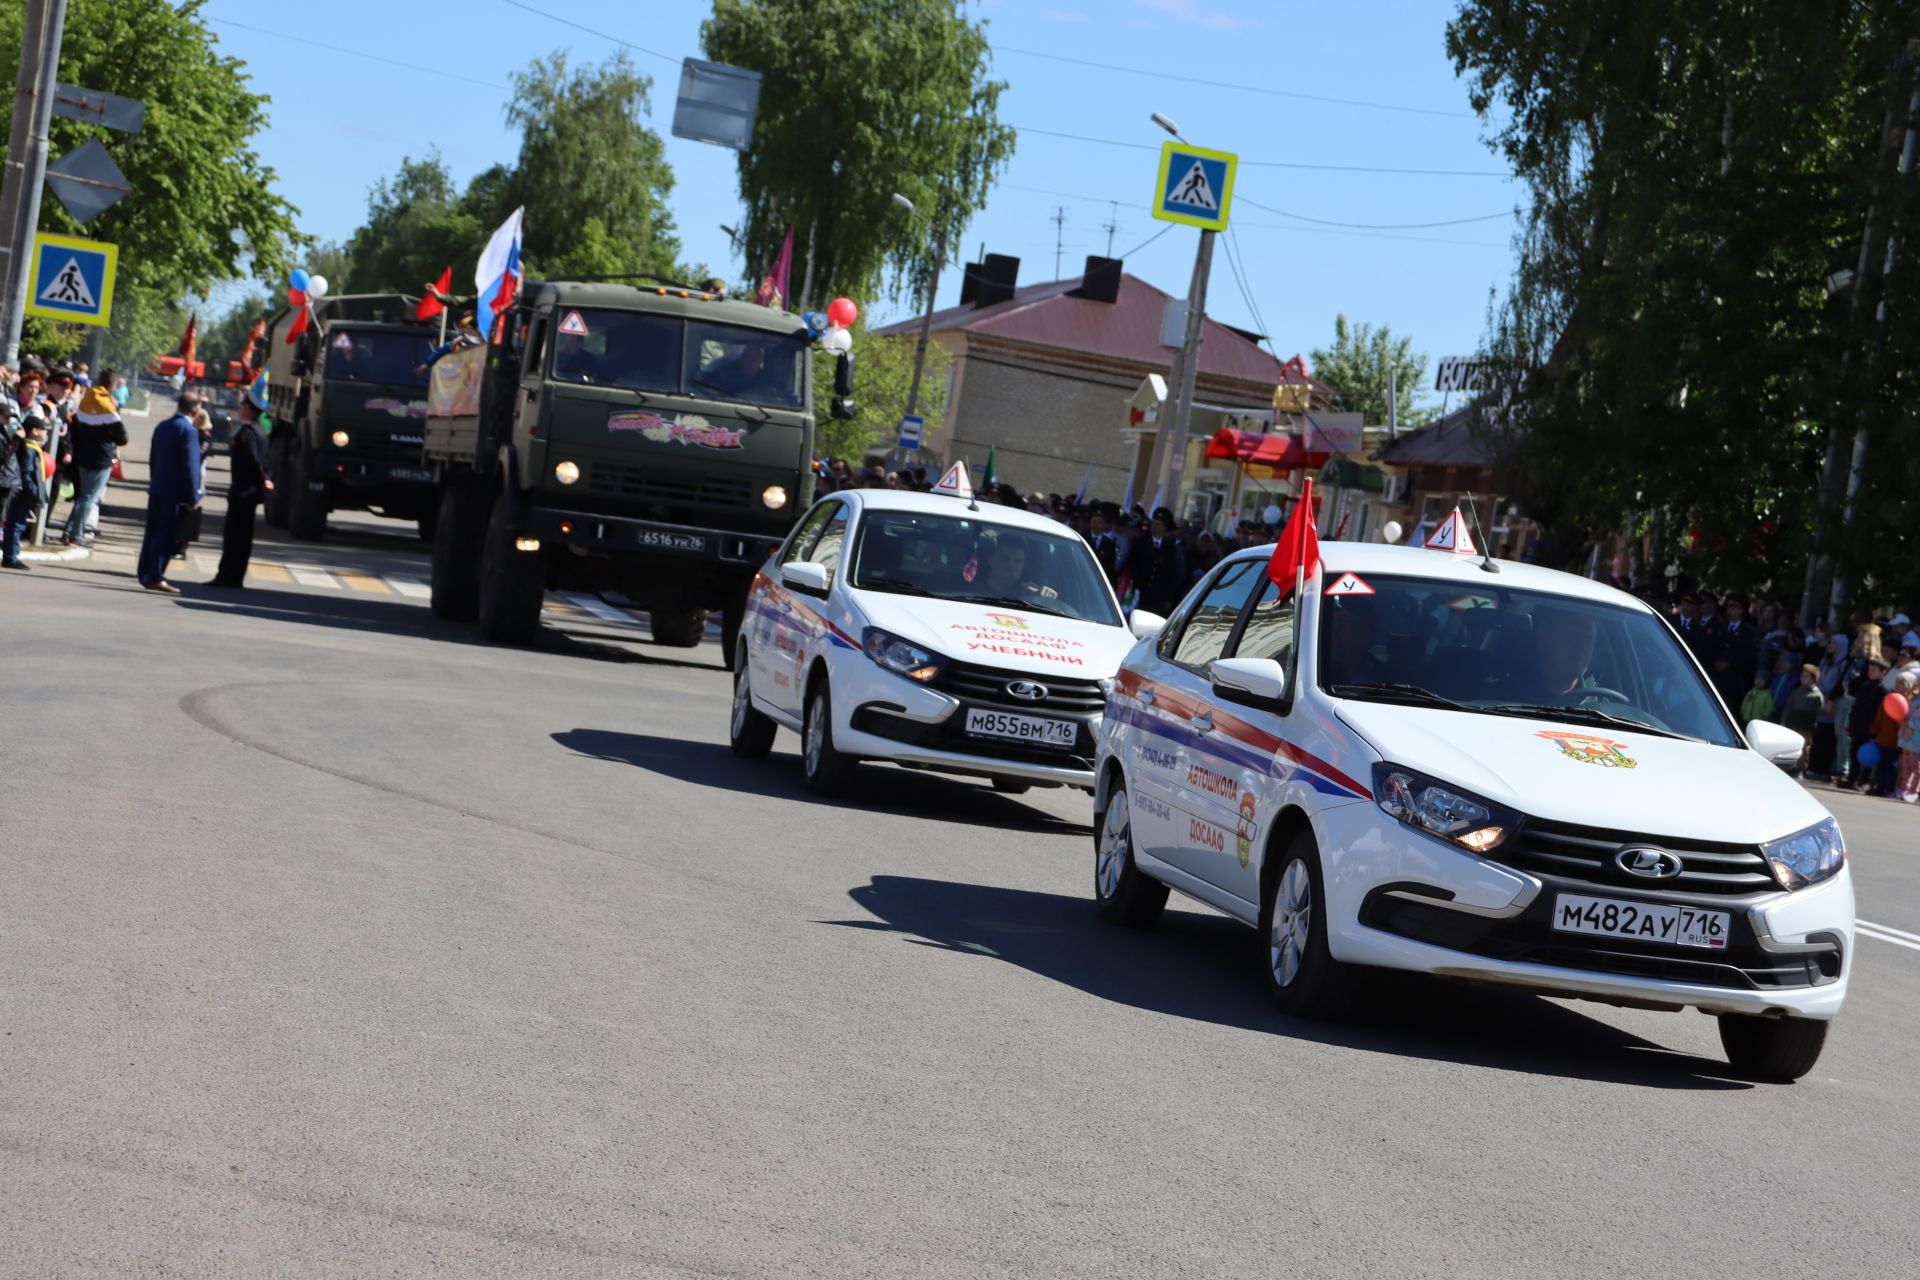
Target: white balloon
[[837, 341], [1391, 531], [1271, 515], [316, 287]]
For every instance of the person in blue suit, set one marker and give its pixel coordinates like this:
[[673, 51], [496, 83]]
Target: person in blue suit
[[173, 486]]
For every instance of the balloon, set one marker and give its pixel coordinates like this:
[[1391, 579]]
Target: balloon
[[842, 312], [297, 277], [1869, 755], [1894, 707], [837, 340], [298, 297], [1271, 515], [316, 287], [1391, 531], [816, 322]]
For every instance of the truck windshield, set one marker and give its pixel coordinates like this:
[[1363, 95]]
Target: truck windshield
[[640, 351], [955, 558], [382, 356], [1493, 650]]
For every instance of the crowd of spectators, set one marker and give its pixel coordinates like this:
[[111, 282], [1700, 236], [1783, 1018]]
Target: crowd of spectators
[[59, 440]]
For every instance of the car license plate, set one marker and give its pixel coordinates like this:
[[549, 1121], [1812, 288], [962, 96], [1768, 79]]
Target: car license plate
[[1643, 921], [982, 723], [666, 540], [410, 473]]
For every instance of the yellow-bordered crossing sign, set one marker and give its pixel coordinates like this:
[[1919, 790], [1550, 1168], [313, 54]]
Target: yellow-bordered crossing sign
[[1196, 186], [72, 279]]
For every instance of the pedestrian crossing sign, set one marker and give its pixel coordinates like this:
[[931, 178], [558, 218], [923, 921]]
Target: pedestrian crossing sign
[[72, 279], [1196, 186]]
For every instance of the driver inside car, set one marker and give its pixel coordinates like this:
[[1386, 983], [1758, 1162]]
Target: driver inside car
[[1563, 642], [1006, 569]]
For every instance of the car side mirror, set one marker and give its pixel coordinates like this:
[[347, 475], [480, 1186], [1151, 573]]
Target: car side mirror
[[1146, 625], [1776, 742], [1257, 682], [805, 576]]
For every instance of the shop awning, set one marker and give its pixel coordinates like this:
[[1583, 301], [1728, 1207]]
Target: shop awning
[[1259, 449]]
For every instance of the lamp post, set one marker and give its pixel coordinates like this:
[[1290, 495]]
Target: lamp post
[[1170, 446], [926, 317]]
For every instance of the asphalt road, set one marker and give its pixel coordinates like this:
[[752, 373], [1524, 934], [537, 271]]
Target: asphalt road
[[337, 943]]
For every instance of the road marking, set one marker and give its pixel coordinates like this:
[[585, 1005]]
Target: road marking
[[1862, 931], [361, 582], [204, 563], [411, 588], [1887, 928], [312, 575], [268, 571], [599, 608]]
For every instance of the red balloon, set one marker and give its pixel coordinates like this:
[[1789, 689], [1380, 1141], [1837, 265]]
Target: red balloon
[[843, 312], [1894, 707], [298, 297]]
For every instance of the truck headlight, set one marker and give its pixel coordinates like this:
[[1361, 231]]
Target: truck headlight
[[566, 472], [1439, 809], [775, 496], [1807, 857], [900, 656], [340, 439]]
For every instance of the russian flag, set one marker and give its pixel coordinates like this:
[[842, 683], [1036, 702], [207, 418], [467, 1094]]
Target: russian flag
[[498, 276]]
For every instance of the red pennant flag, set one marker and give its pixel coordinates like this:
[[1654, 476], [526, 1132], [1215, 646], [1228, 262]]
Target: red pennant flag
[[1297, 554], [298, 327], [436, 300]]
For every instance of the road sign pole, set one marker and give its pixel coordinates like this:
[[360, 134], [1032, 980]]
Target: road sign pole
[[27, 157], [1189, 370]]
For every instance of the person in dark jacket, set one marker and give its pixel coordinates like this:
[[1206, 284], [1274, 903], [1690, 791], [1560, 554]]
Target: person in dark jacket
[[1735, 650], [1158, 566], [96, 435], [247, 455], [30, 493], [9, 462], [1107, 545], [1867, 695], [173, 486]]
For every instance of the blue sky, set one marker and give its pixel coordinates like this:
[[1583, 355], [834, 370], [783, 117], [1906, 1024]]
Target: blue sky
[[339, 122]]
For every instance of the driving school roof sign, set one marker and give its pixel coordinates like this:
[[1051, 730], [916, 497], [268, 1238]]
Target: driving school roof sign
[[72, 279], [1196, 186]]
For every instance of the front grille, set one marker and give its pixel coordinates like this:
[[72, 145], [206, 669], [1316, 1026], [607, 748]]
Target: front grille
[[1562, 853], [1065, 696], [669, 489]]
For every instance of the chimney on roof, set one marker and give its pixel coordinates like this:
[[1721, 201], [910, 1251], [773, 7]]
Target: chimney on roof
[[988, 282], [1100, 281]]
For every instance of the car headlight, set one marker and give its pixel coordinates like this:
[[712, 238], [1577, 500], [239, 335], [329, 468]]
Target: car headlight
[[775, 496], [566, 472], [899, 656], [1440, 809], [1807, 857], [340, 439]]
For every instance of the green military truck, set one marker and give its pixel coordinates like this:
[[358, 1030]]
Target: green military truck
[[651, 441], [348, 407]]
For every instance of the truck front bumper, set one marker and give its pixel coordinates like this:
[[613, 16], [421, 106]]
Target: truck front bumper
[[614, 535]]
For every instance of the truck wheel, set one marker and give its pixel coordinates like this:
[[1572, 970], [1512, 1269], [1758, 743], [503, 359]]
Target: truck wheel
[[513, 583], [678, 629], [429, 523], [280, 460], [1772, 1048], [307, 509], [456, 549]]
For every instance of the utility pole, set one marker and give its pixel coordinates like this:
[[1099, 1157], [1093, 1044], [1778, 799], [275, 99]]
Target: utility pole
[[926, 319], [1059, 221], [1189, 368], [1111, 225], [27, 159]]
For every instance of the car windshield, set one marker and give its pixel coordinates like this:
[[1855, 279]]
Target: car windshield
[[1492, 650], [382, 356], [643, 351], [961, 558]]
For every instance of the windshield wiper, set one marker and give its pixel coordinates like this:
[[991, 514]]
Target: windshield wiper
[[729, 396], [1582, 715], [1387, 691], [900, 585], [1011, 603]]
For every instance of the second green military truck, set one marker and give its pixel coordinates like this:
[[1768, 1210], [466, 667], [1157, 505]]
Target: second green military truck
[[647, 440]]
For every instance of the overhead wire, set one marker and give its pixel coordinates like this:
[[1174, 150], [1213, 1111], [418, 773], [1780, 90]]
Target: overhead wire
[[581, 26], [1275, 164], [1376, 226], [356, 53]]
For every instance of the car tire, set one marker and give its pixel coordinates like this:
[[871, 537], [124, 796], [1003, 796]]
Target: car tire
[[306, 508], [826, 770], [1122, 893], [678, 628], [749, 729], [456, 549], [1012, 786], [1772, 1048], [429, 524], [1303, 978], [513, 583]]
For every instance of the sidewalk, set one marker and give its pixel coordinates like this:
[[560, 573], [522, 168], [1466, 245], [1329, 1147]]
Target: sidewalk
[[120, 494]]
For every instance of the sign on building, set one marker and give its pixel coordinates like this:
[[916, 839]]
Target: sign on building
[[1462, 373], [72, 279]]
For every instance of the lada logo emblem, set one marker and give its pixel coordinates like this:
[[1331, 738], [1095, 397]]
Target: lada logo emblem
[[1027, 690], [1648, 863]]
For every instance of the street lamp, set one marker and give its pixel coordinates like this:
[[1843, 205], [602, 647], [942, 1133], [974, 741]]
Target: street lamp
[[1168, 125], [926, 318]]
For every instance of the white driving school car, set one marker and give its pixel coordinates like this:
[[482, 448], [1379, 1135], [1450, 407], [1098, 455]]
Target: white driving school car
[[1478, 769], [919, 629]]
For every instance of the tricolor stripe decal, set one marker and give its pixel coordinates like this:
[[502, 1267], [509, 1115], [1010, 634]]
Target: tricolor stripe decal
[[1231, 737]]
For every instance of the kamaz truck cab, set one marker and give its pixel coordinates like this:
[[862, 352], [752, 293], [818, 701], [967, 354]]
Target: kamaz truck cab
[[653, 441], [348, 401]]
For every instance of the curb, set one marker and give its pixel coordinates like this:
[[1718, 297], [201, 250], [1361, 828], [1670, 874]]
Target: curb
[[65, 553]]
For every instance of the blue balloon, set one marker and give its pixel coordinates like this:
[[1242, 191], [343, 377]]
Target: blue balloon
[[1870, 754], [815, 321], [298, 278]]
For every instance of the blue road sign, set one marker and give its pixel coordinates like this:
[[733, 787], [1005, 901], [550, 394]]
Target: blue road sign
[[912, 425], [1196, 186], [72, 279]]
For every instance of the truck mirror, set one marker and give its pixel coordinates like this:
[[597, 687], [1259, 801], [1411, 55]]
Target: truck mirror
[[843, 374], [841, 409]]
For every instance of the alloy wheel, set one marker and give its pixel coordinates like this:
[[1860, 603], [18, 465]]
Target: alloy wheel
[[1115, 836], [1292, 922]]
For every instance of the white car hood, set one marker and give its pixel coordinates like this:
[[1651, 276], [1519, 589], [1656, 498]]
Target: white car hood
[[1006, 638], [1592, 776]]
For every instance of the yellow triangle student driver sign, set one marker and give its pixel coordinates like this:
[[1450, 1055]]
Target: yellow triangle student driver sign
[[1452, 536]]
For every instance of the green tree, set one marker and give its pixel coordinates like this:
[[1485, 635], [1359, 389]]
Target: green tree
[[861, 99], [1357, 364], [416, 227], [883, 370], [1670, 359], [203, 208]]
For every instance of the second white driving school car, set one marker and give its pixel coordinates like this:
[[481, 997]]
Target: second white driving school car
[[1478, 769], [931, 632]]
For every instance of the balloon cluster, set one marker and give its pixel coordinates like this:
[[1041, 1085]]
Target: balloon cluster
[[832, 328], [303, 290]]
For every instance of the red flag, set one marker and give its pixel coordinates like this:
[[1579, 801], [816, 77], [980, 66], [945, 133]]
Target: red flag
[[436, 300], [775, 285], [189, 339], [298, 327], [1298, 551]]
